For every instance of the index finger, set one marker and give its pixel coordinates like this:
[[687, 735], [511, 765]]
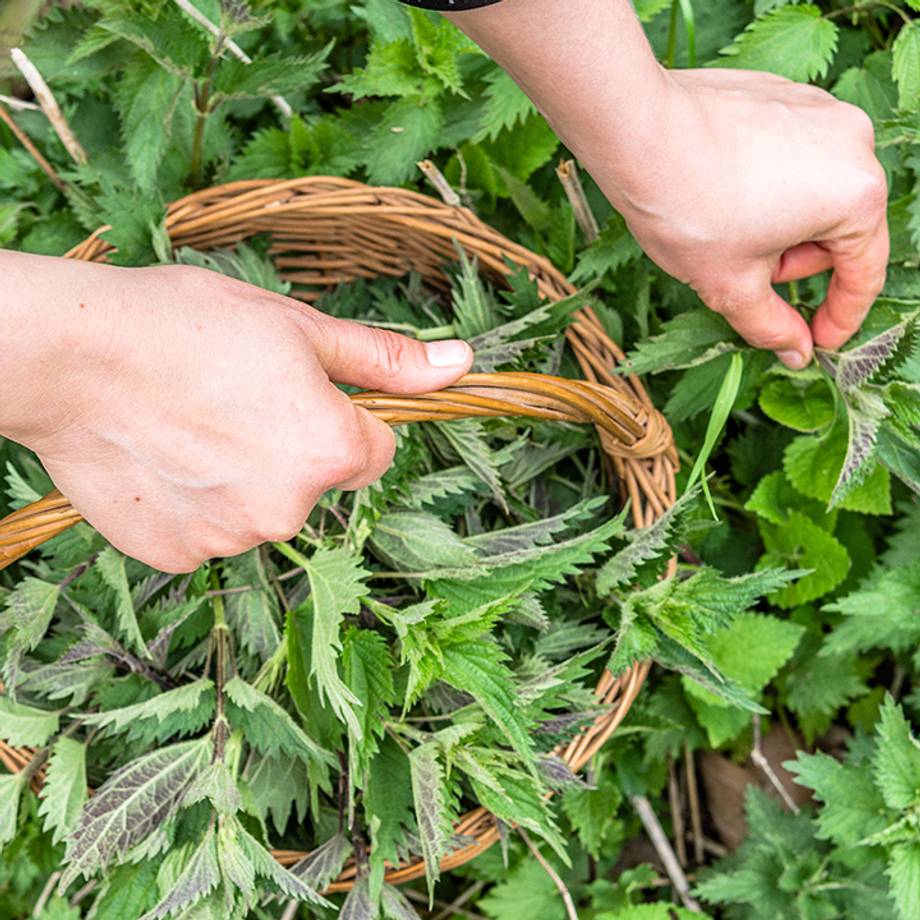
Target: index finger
[[859, 267]]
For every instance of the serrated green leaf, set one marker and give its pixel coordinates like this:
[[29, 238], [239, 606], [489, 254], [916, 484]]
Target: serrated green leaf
[[432, 809], [266, 725], [804, 405], [11, 786], [896, 764], [852, 807], [64, 790], [133, 802], [25, 725], [111, 566], [337, 585], [813, 465], [794, 41], [905, 65], [801, 543], [687, 340]]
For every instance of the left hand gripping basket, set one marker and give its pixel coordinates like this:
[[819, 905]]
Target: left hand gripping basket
[[325, 231]]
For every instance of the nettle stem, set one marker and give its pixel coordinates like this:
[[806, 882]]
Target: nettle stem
[[221, 656], [204, 107]]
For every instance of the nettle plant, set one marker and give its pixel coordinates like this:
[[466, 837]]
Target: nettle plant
[[425, 643]]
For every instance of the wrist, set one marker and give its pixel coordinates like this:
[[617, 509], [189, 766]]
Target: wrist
[[53, 327]]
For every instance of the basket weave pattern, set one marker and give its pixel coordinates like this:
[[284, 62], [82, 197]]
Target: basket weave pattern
[[326, 231]]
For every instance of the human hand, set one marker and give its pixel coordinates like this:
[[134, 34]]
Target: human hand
[[187, 415], [754, 180]]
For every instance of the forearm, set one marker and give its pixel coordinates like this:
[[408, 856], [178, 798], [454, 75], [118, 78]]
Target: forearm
[[589, 70]]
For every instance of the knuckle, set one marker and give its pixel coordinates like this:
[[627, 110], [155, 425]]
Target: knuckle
[[349, 456], [860, 119], [871, 192], [284, 527]]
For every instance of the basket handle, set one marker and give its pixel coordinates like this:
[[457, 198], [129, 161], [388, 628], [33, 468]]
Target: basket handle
[[628, 429]]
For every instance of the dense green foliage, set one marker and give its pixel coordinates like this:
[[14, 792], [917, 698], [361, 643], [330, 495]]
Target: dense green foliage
[[425, 644]]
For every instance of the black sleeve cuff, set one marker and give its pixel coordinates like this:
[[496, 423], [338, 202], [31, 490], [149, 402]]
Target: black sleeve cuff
[[450, 6]]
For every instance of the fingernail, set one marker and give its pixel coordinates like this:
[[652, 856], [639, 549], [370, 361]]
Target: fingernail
[[450, 353], [794, 359]]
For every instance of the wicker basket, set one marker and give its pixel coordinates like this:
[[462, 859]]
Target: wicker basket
[[325, 231]]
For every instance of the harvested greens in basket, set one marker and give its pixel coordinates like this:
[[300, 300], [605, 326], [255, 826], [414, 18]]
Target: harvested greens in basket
[[425, 645]]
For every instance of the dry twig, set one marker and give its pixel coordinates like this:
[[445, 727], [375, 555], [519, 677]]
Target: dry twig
[[34, 152], [49, 105], [693, 794], [665, 852], [462, 899], [434, 175], [570, 911], [758, 757], [677, 815], [46, 894], [567, 172], [19, 105]]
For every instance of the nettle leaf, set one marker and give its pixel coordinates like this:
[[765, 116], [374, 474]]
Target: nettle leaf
[[324, 864], [803, 404], [466, 437], [801, 543], [477, 667], [265, 866], [271, 74], [689, 339], [518, 800], [266, 725], [903, 873], [336, 587], [358, 904], [535, 533], [253, 615], [195, 698], [11, 787], [29, 609], [646, 545], [391, 69], [64, 791], [235, 865], [134, 801], [504, 105], [25, 725], [388, 806], [147, 96], [857, 366], [816, 467], [880, 613], [535, 569], [111, 566], [614, 248], [279, 784], [171, 40], [905, 65], [795, 42], [896, 764], [852, 807], [409, 130], [198, 878], [396, 906], [414, 541], [433, 809]]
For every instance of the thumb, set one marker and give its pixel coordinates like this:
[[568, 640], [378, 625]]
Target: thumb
[[763, 319], [379, 359]]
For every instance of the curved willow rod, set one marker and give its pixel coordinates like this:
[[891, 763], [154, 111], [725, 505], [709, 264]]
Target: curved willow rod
[[626, 427]]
